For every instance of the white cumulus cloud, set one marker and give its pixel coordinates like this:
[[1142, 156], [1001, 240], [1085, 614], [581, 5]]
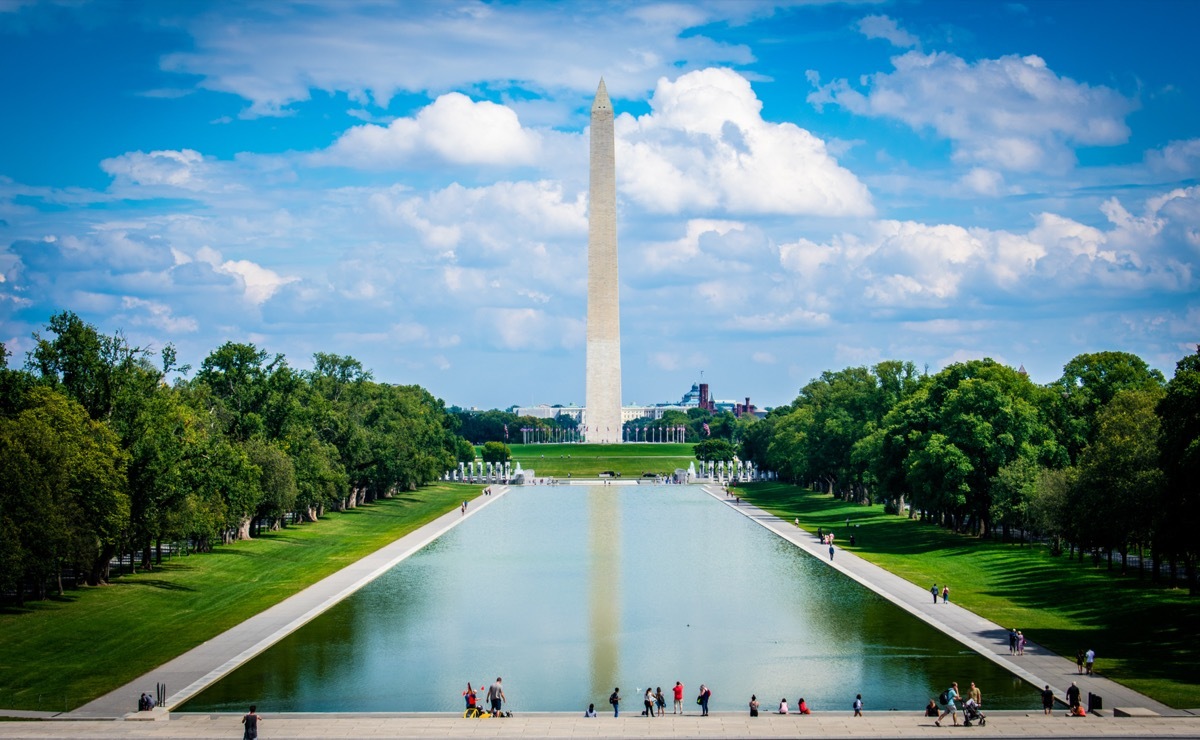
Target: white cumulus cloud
[[1010, 113], [453, 128], [705, 147]]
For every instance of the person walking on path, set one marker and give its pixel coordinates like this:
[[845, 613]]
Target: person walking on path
[[934, 590], [831, 551], [1020, 643], [678, 709], [1047, 700], [1012, 641], [858, 706], [496, 696], [660, 701], [251, 721], [1089, 658], [946, 594], [705, 694], [1073, 696], [648, 702], [615, 700], [951, 694], [1079, 660]]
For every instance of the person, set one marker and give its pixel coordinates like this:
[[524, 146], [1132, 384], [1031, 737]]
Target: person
[[951, 709], [251, 721], [1047, 699], [820, 532], [591, 711], [615, 700], [931, 709], [648, 702], [831, 551], [946, 594], [858, 706], [1020, 643], [660, 700], [678, 698], [1089, 658], [1012, 641], [469, 697], [783, 707], [705, 694], [1073, 696], [934, 590], [975, 694], [753, 705], [1079, 660], [802, 707], [496, 697]]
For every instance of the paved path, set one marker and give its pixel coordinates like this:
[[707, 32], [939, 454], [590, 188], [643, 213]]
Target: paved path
[[718, 725], [1038, 665], [191, 672]]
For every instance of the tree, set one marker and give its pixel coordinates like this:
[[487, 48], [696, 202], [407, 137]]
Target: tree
[[495, 452], [1119, 474], [1088, 383], [1179, 412], [714, 450]]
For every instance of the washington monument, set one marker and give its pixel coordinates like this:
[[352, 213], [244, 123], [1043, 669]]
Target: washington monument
[[603, 395]]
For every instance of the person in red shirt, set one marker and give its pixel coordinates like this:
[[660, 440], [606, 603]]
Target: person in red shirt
[[678, 698]]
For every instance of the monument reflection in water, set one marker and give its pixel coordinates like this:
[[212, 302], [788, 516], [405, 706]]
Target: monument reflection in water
[[569, 591]]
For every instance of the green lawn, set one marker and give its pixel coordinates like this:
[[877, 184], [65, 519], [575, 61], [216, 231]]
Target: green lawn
[[59, 654], [1144, 636], [588, 460]]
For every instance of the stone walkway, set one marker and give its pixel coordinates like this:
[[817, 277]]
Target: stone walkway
[[718, 725], [1038, 665], [203, 665]]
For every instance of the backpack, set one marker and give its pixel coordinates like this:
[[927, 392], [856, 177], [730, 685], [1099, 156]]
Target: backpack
[[944, 697], [613, 699]]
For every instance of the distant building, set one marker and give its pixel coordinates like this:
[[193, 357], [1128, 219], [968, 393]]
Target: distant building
[[698, 396]]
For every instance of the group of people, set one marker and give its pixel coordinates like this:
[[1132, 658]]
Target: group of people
[[654, 702], [949, 699], [495, 701], [801, 708], [1016, 642], [945, 593], [1085, 660]]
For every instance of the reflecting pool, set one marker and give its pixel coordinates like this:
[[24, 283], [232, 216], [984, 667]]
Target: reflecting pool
[[569, 591]]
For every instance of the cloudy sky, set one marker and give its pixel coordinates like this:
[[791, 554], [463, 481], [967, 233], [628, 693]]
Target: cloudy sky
[[801, 186]]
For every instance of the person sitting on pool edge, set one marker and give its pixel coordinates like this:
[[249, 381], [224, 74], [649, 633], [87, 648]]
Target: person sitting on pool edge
[[802, 707]]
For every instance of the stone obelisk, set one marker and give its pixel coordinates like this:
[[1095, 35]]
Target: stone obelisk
[[603, 420]]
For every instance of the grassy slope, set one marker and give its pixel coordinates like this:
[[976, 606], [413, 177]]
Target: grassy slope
[[60, 654], [630, 460], [1144, 636]]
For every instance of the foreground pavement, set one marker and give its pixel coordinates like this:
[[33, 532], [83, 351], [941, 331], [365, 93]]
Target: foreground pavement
[[718, 725]]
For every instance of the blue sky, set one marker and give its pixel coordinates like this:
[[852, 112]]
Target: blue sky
[[801, 186]]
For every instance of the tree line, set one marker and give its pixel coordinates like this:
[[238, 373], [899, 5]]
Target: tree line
[[495, 425], [1104, 460], [100, 455]]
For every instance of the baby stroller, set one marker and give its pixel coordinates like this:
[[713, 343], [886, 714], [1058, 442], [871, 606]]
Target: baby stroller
[[971, 714]]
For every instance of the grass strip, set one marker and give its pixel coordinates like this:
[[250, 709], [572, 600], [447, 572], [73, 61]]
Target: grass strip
[[1144, 635], [589, 460], [59, 654]]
